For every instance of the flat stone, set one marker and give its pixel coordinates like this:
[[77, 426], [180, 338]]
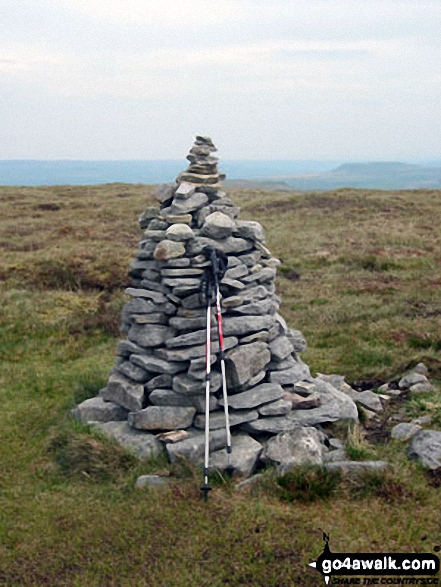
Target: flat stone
[[271, 425], [404, 431], [149, 319], [298, 402], [369, 400], [411, 379], [263, 335], [152, 481], [142, 306], [182, 272], [297, 340], [280, 348], [423, 420], [191, 204], [335, 405], [258, 292], [162, 418], [172, 436], [189, 339], [230, 245], [193, 447], [218, 226], [250, 229], [237, 272], [141, 444], [162, 381], [192, 283], [148, 215], [426, 447], [168, 249], [217, 419], [421, 368], [422, 388], [155, 296], [243, 458], [133, 372], [149, 335], [163, 193], [280, 407], [244, 362], [335, 456], [155, 365], [243, 325], [168, 397], [295, 447], [186, 385], [228, 284], [123, 392], [292, 375], [178, 218], [96, 409], [127, 348], [261, 394], [189, 353], [185, 189], [267, 274], [179, 232], [257, 308]]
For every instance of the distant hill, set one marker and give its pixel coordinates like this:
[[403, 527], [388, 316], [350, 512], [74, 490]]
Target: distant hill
[[377, 175]]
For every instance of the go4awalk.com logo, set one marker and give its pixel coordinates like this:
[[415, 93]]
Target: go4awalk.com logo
[[376, 568]]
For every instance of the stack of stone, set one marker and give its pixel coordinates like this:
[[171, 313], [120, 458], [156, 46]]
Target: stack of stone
[[158, 383]]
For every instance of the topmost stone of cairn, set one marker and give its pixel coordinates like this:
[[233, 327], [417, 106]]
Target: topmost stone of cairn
[[158, 383]]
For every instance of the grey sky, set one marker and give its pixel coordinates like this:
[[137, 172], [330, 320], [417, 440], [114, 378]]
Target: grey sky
[[282, 79]]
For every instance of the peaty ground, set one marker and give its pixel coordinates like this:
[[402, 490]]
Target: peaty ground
[[360, 276]]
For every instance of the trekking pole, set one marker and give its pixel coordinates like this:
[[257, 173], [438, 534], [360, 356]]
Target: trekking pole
[[224, 377], [206, 488]]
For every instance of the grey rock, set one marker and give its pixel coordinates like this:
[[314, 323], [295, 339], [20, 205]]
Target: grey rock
[[230, 245], [422, 388], [240, 325], [426, 447], [411, 379], [189, 283], [280, 348], [280, 407], [189, 339], [423, 420], [335, 405], [255, 293], [193, 272], [217, 419], [370, 400], [237, 272], [297, 340], [163, 193], [243, 458], [123, 392], [250, 230], [159, 382], [141, 444], [168, 249], [188, 353], [155, 365], [298, 402], [263, 335], [218, 226], [162, 418], [149, 335], [266, 274], [249, 483], [233, 284], [246, 361], [149, 318], [148, 215], [191, 204], [261, 394], [182, 323], [186, 385], [96, 409], [292, 375], [133, 372], [421, 368], [168, 397], [140, 306], [185, 190], [257, 308], [193, 447], [179, 233], [404, 431], [178, 262], [153, 481], [127, 348], [296, 447], [335, 456], [271, 425]]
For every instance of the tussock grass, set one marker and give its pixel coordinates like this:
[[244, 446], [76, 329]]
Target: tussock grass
[[360, 277]]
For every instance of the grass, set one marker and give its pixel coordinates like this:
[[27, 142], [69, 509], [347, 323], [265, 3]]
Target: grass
[[360, 277]]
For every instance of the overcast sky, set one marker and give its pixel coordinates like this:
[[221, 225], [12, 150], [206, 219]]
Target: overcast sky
[[267, 79]]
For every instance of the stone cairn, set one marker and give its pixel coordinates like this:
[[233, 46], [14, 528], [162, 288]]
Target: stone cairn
[[155, 396]]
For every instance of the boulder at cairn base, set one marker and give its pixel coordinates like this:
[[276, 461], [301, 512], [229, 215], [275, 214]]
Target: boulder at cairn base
[[159, 375]]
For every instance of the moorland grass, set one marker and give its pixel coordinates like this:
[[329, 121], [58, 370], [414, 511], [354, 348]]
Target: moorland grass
[[361, 278]]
